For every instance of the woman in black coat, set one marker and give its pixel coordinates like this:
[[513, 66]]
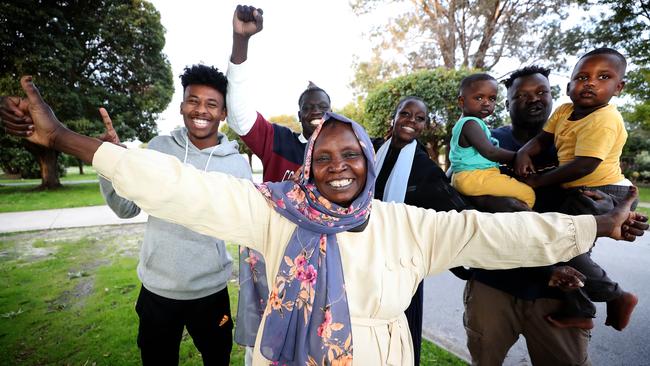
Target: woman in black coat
[[407, 174]]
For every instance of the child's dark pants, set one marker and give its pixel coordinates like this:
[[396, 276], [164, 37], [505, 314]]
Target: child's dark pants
[[598, 286]]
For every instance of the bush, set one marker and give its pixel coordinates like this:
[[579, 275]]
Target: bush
[[642, 160]]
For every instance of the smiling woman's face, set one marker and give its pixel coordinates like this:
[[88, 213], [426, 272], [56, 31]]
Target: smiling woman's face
[[338, 164], [409, 121]]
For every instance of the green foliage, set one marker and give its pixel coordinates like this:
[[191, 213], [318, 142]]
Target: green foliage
[[622, 24], [643, 160], [634, 161], [355, 111], [287, 120], [438, 88], [87, 54], [638, 86], [243, 148], [16, 160]]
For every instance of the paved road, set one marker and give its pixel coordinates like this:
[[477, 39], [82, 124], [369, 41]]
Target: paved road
[[627, 263]]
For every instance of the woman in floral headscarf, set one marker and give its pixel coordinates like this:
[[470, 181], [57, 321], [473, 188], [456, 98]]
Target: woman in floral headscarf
[[339, 282]]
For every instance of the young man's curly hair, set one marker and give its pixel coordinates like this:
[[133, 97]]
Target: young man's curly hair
[[205, 75]]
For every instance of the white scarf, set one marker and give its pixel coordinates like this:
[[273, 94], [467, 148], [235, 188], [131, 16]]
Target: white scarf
[[395, 189]]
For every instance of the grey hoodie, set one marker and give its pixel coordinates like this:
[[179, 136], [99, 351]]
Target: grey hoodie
[[176, 262]]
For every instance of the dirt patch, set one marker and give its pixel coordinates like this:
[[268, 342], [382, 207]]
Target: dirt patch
[[38, 245], [32, 254], [74, 297]]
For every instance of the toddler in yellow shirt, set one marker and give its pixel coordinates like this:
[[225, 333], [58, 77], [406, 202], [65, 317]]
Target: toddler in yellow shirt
[[589, 135]]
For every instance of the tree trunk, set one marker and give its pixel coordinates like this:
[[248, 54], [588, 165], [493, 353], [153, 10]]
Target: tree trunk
[[47, 159], [81, 166]]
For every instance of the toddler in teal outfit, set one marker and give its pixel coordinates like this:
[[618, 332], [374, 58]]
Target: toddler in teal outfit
[[474, 154]]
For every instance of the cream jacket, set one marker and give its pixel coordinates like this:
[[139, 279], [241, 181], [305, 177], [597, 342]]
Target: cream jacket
[[382, 265]]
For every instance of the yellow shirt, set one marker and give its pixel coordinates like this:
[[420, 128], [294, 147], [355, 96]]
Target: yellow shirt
[[382, 265], [599, 135]]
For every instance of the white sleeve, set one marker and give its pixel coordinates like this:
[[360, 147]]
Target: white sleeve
[[241, 113], [482, 240], [505, 240], [211, 203]]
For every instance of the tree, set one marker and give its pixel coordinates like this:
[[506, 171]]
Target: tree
[[439, 90], [232, 135], [473, 34], [287, 120], [84, 55], [355, 111]]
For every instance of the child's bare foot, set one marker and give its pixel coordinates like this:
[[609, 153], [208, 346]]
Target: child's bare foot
[[620, 310], [571, 322]]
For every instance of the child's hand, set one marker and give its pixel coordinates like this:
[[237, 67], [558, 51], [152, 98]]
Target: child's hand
[[523, 165], [566, 278]]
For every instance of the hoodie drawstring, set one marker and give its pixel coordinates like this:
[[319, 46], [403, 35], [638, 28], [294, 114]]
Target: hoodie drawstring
[[205, 169], [209, 157]]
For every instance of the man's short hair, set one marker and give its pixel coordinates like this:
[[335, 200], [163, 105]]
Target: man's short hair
[[205, 75], [608, 51], [467, 81], [312, 88], [526, 71]]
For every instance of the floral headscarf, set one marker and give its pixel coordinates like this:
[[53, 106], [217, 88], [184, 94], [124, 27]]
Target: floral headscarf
[[307, 315]]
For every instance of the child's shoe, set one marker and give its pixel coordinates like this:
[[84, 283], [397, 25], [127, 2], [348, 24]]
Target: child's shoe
[[620, 310]]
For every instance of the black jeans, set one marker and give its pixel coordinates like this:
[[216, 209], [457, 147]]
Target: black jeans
[[162, 320]]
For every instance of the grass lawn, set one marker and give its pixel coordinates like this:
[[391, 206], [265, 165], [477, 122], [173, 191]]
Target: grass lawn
[[645, 211], [26, 198], [68, 296]]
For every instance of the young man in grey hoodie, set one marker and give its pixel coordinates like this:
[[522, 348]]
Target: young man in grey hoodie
[[184, 274]]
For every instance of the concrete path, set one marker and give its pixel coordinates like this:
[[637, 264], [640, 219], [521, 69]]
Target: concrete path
[[62, 218]]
